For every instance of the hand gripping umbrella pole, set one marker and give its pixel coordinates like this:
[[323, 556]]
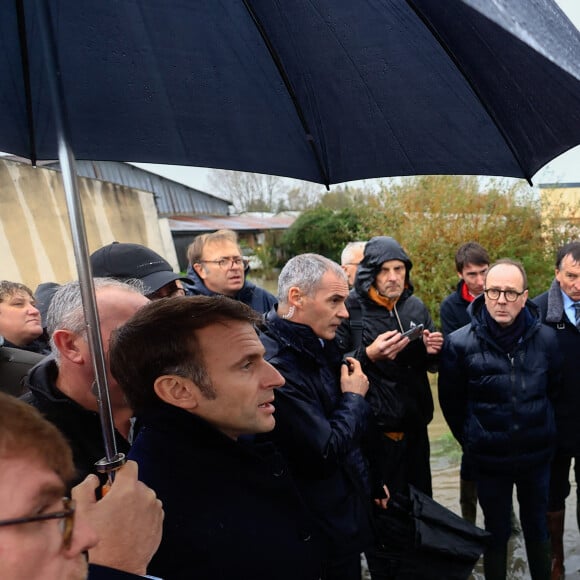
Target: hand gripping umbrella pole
[[112, 460]]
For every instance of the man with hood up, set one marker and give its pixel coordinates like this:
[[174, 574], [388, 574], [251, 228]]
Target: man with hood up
[[217, 267], [399, 393]]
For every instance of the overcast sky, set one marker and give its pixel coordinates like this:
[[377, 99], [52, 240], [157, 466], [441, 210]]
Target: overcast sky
[[564, 169]]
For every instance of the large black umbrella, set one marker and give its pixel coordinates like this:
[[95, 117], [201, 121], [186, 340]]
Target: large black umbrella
[[322, 90]]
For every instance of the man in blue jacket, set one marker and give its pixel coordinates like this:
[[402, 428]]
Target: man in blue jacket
[[496, 377], [560, 309], [321, 412], [217, 267]]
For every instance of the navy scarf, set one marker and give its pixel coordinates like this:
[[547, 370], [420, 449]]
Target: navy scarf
[[507, 337]]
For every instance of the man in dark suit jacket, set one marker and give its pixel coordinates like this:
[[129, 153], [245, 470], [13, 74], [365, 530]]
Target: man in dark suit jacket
[[193, 370], [560, 309]]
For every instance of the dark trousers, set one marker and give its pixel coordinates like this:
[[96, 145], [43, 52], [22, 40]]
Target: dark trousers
[[347, 568], [560, 481], [406, 461], [495, 497]]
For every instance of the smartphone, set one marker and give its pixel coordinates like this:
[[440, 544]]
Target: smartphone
[[414, 333]]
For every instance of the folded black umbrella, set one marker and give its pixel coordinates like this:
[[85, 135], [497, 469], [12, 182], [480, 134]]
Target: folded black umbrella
[[420, 539]]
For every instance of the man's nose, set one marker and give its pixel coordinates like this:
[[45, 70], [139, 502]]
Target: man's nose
[[272, 378], [343, 312]]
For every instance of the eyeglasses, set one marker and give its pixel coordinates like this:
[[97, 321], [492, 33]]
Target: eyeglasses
[[227, 263], [510, 295], [168, 291], [67, 517]]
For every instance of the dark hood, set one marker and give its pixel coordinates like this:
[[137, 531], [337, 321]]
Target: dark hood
[[378, 250]]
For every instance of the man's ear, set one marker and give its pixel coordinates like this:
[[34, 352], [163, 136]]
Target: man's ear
[[177, 391], [294, 296], [199, 270], [68, 344]]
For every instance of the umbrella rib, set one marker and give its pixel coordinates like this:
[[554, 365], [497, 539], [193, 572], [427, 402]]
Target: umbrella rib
[[292, 94], [26, 79], [467, 78]]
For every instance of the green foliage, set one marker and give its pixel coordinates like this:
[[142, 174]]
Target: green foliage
[[431, 216], [323, 231]]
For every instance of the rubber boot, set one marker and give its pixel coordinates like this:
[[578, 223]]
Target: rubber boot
[[539, 560], [495, 563], [468, 500], [556, 530]]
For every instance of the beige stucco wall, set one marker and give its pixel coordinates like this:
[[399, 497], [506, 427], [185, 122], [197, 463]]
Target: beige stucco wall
[[35, 238], [561, 210]]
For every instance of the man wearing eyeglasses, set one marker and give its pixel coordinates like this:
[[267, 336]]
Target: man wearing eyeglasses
[[496, 379], [217, 267], [44, 536]]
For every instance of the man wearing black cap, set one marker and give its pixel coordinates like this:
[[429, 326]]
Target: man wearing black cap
[[125, 261]]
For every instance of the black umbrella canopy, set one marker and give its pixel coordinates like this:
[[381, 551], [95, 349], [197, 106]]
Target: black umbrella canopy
[[322, 90]]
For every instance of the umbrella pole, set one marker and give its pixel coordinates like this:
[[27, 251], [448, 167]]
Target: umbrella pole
[[112, 460]]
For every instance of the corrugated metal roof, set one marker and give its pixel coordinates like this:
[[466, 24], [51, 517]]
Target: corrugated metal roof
[[172, 198], [239, 223]]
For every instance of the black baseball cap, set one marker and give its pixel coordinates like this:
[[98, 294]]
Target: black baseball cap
[[125, 261]]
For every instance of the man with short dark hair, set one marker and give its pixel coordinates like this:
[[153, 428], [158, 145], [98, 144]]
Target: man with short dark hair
[[560, 309], [193, 370], [217, 267], [496, 378], [471, 264]]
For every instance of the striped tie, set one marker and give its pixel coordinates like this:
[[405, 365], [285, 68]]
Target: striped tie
[[577, 308]]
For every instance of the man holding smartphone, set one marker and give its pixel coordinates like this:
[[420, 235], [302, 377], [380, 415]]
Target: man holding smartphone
[[399, 394]]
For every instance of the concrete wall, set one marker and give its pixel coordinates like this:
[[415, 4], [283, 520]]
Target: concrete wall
[[561, 208], [35, 239]]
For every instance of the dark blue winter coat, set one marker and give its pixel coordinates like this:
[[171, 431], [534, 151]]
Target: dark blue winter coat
[[453, 311], [231, 508], [319, 429], [257, 298], [498, 404], [567, 403]]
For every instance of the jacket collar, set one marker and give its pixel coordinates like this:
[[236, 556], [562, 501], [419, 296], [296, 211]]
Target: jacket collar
[[295, 336], [555, 309]]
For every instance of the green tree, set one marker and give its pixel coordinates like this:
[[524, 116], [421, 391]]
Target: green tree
[[431, 216]]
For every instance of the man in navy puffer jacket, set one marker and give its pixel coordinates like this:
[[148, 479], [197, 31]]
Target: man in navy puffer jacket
[[496, 379], [321, 413]]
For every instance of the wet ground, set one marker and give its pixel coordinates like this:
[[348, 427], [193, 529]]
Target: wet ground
[[445, 457]]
